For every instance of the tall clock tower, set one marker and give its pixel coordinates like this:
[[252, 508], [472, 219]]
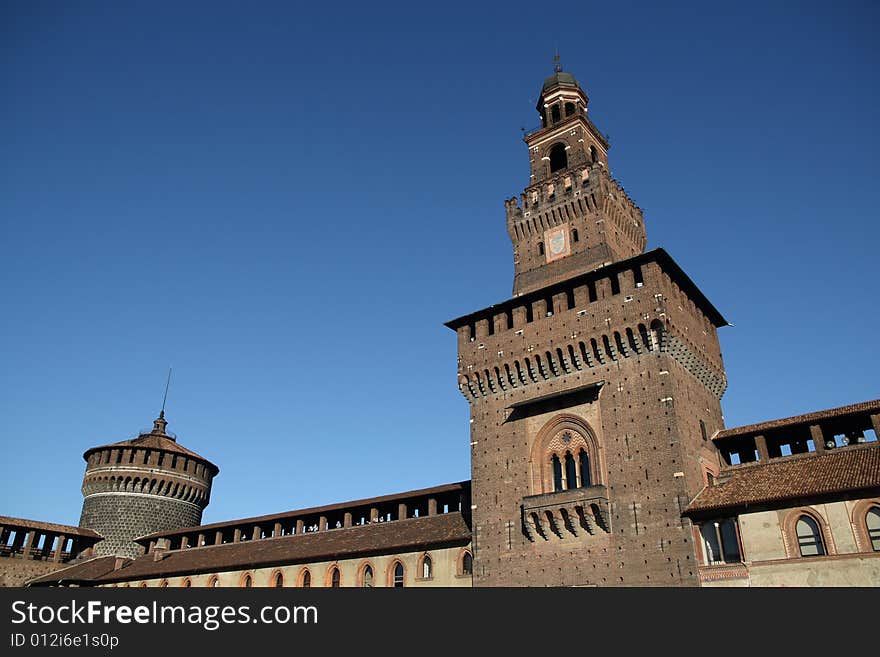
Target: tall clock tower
[[594, 389]]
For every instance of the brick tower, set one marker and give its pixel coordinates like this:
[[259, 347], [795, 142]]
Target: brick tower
[[141, 486], [594, 390]]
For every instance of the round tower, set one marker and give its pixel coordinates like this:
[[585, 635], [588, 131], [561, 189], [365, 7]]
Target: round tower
[[141, 486]]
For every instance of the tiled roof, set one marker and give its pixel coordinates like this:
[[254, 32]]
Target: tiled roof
[[85, 571], [154, 441], [413, 534], [842, 470], [67, 530], [287, 515], [863, 407]]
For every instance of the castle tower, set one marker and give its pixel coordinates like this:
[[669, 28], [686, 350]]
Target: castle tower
[[141, 486], [593, 391]]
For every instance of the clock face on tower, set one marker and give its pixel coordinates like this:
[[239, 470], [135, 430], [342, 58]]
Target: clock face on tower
[[556, 243]]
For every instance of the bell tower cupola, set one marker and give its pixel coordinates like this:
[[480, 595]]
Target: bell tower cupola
[[572, 217]]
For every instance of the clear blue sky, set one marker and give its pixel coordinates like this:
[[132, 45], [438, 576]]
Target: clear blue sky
[[285, 201]]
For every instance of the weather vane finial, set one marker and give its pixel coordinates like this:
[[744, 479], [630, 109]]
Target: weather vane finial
[[557, 67]]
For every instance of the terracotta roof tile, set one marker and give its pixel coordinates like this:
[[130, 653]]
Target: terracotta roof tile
[[67, 530], [838, 471], [85, 571], [154, 441], [862, 407], [463, 486], [447, 529]]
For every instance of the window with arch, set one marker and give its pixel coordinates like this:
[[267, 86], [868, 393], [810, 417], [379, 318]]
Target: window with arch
[[555, 114], [213, 581], [278, 580], [305, 578], [426, 567], [540, 248], [574, 235], [144, 585], [467, 563], [335, 578], [163, 584], [569, 109], [367, 577], [720, 541], [872, 524], [247, 581], [593, 154], [397, 575], [558, 157], [564, 456], [809, 537], [187, 583]]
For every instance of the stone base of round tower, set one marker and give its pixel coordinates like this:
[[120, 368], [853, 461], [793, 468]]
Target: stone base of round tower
[[121, 517]]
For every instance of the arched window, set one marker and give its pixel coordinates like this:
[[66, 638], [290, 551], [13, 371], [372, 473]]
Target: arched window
[[872, 521], [335, 578], [574, 235], [557, 473], [593, 154], [569, 109], [558, 157], [584, 462], [570, 472], [809, 537], [398, 575], [163, 584], [540, 248], [427, 567], [555, 114], [278, 581], [306, 579], [368, 577], [214, 581], [187, 583], [247, 581], [467, 564]]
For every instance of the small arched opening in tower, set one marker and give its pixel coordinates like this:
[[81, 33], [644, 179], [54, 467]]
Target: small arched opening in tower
[[593, 154], [558, 157]]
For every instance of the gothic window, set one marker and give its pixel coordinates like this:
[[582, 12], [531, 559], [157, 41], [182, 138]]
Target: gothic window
[[809, 537], [214, 581], [569, 109], [368, 577], [570, 472], [557, 473], [187, 583], [335, 578], [467, 563], [278, 580], [564, 457], [427, 567], [720, 541], [872, 522], [397, 575], [306, 579], [584, 462], [555, 114], [558, 157], [247, 581]]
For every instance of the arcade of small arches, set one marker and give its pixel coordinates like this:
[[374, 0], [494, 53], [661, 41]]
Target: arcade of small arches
[[565, 360], [367, 575], [167, 488]]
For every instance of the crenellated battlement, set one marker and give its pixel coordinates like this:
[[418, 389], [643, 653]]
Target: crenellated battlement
[[574, 221], [590, 321]]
